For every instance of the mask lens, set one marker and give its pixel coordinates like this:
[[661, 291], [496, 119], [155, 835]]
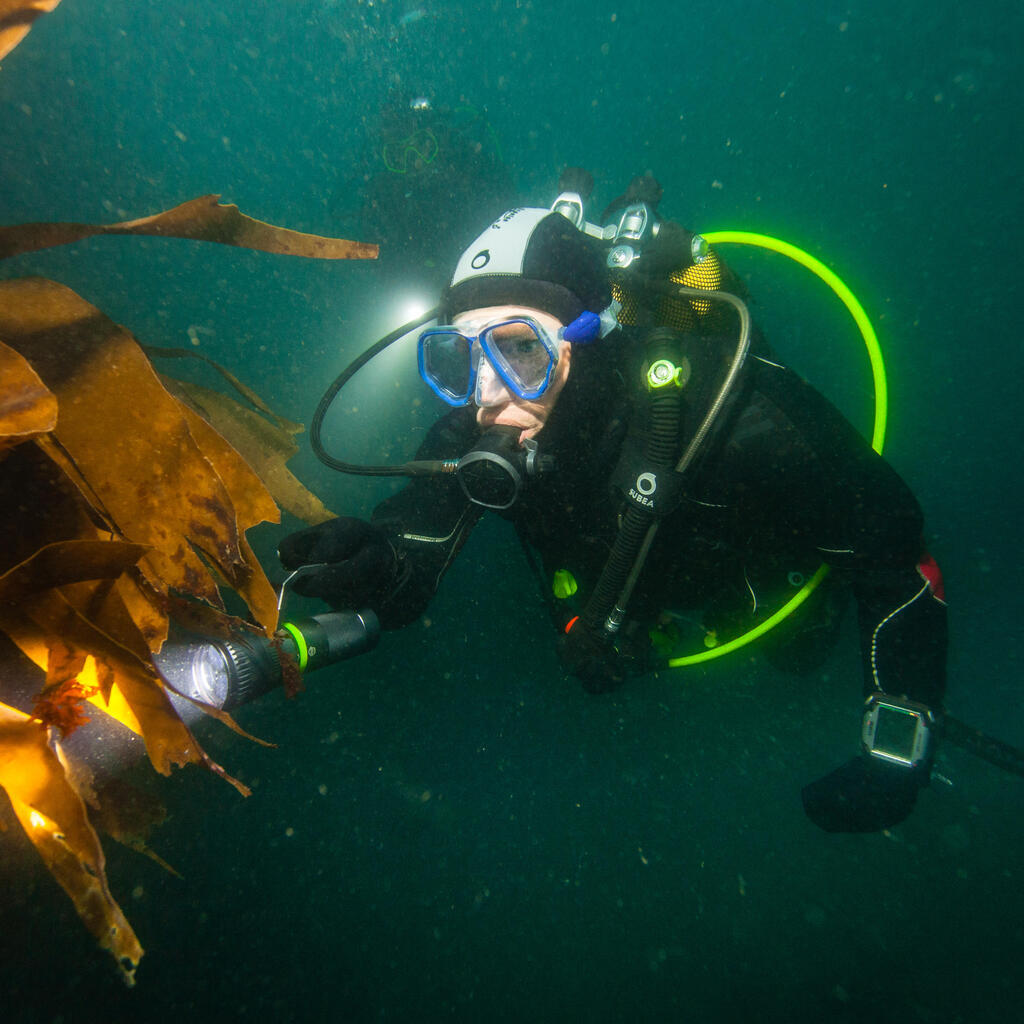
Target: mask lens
[[445, 364], [520, 353]]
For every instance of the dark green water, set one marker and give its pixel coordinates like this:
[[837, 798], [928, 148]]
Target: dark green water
[[448, 830]]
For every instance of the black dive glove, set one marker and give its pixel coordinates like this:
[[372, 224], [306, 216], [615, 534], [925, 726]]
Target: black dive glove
[[595, 663], [864, 795], [361, 565]]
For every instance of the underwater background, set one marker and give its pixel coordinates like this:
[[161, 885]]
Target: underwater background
[[449, 829]]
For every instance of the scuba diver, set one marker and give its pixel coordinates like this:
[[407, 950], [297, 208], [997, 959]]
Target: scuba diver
[[428, 165], [611, 398]]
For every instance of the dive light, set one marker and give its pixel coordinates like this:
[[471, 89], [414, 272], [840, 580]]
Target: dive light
[[223, 674], [228, 673]]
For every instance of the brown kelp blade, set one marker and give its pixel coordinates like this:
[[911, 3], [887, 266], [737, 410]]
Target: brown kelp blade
[[265, 446], [288, 426], [16, 18], [262, 437], [53, 816], [27, 407], [203, 219], [65, 562], [128, 446]]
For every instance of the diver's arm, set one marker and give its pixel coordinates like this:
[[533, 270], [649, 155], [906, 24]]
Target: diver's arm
[[877, 543], [801, 463], [425, 546], [870, 528], [903, 633], [802, 467], [427, 522], [394, 563]]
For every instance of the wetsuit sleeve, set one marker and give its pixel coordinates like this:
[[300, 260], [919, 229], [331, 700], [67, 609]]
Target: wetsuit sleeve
[[427, 522], [902, 615], [822, 485]]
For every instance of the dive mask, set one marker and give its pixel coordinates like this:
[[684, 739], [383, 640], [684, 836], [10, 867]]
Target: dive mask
[[520, 350]]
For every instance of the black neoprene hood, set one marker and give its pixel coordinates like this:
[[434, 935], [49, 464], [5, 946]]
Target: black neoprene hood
[[532, 258]]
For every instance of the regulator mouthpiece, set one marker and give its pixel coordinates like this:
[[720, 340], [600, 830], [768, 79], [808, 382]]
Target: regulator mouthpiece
[[494, 471]]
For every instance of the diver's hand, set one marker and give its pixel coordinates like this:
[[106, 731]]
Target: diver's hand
[[864, 795], [595, 663], [359, 564]]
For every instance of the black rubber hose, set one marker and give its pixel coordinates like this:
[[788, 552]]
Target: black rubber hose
[[665, 411], [616, 570], [316, 427], [988, 748]]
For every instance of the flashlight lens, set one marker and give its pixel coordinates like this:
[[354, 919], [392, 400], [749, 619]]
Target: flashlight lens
[[209, 676]]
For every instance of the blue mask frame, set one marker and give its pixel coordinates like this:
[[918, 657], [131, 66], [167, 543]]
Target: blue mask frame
[[582, 330], [484, 345]]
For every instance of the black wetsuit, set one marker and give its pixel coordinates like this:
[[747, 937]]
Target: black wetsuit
[[783, 484]]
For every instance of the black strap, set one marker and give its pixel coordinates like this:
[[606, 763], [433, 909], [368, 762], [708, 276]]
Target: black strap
[[988, 748]]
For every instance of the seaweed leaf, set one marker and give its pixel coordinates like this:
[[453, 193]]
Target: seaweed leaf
[[202, 219], [27, 407], [53, 816], [16, 18]]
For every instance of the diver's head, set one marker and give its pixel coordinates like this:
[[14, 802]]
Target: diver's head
[[519, 351], [523, 294]]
